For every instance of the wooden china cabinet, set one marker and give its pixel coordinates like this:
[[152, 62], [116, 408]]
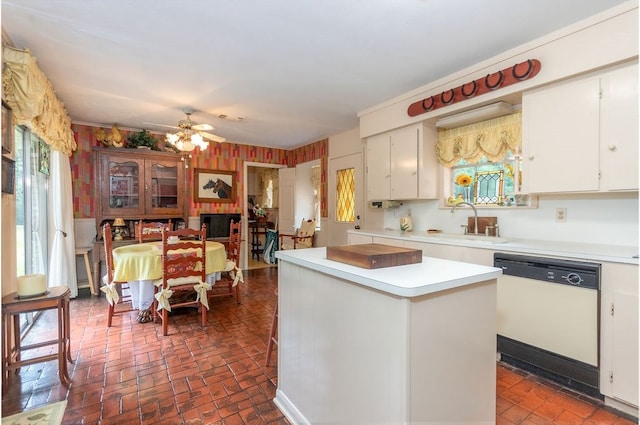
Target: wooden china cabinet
[[135, 184]]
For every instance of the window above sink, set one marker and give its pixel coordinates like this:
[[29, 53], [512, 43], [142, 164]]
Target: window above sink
[[483, 163]]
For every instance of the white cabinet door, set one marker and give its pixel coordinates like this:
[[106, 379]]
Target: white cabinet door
[[428, 166], [404, 163], [379, 167], [560, 137], [388, 241], [358, 239], [401, 164], [619, 129], [619, 333], [479, 256]]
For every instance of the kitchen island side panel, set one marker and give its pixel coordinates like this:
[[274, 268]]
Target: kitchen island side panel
[[453, 356], [352, 354], [342, 350]]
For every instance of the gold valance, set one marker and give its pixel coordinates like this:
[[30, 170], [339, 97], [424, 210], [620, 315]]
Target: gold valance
[[491, 138], [33, 101]]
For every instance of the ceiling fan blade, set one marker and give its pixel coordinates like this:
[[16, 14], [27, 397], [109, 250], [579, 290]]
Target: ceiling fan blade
[[202, 127], [212, 137], [161, 125]]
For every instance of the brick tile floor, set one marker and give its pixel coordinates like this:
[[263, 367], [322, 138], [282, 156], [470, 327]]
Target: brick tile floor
[[130, 373]]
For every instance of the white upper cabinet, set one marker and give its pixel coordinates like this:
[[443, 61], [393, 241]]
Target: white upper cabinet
[[404, 163], [619, 129], [581, 135], [379, 167], [560, 132], [401, 164]]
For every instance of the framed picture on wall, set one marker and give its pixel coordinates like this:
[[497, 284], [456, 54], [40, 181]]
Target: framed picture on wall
[[7, 129], [214, 186], [8, 175]]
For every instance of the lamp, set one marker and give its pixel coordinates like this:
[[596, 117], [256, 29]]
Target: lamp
[[483, 113], [187, 140], [117, 224]]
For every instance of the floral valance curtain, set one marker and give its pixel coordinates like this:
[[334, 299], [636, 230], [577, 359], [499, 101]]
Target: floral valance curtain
[[491, 138], [33, 101]]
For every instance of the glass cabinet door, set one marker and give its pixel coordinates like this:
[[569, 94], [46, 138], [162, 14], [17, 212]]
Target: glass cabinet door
[[166, 191], [123, 186]]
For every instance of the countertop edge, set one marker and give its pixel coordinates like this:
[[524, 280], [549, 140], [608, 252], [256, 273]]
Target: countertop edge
[[579, 251], [315, 259]]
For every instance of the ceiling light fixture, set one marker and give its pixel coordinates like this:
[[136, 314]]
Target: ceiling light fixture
[[187, 140], [483, 113]]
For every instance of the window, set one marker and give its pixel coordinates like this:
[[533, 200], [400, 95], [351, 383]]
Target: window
[[31, 205], [345, 195], [487, 183], [31, 212], [268, 185], [484, 162]]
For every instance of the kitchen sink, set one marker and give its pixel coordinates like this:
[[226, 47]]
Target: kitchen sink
[[460, 237]]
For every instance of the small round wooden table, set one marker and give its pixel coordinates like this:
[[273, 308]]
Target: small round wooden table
[[57, 298]]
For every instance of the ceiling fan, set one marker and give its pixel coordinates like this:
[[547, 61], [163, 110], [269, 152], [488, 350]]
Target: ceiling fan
[[189, 128]]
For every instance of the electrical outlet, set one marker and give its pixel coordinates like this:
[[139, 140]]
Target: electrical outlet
[[561, 215]]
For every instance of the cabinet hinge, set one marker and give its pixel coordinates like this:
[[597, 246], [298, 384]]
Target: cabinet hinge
[[611, 310], [610, 376]]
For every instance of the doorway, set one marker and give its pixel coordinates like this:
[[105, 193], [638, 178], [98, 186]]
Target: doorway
[[255, 195], [346, 209]]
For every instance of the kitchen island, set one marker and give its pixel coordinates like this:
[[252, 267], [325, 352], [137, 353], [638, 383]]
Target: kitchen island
[[405, 344]]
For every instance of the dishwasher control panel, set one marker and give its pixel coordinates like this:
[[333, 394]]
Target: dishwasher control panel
[[575, 273]]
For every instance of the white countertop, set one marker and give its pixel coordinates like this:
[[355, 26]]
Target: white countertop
[[581, 251], [432, 275]]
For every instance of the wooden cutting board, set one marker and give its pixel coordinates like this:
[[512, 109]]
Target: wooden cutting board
[[373, 255]]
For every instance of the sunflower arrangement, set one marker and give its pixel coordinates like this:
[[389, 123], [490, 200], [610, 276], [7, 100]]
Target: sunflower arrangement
[[464, 180]]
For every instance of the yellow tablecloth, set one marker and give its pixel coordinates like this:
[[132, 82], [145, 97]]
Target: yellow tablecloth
[[144, 261]]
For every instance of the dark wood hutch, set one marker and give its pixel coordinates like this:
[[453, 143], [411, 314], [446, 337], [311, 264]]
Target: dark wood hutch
[[136, 184]]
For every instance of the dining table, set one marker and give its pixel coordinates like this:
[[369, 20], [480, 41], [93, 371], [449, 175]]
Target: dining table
[[141, 265]]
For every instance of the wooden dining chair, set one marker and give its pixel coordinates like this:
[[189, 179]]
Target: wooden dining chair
[[303, 238], [232, 275], [113, 290], [273, 339], [182, 273], [152, 231]]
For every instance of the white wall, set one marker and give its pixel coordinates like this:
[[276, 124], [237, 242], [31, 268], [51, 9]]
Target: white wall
[[599, 219], [345, 143]]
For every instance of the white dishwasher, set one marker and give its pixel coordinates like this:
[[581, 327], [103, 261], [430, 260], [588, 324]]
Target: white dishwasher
[[548, 316]]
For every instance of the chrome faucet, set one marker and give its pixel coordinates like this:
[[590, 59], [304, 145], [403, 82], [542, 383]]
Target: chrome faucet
[[475, 214]]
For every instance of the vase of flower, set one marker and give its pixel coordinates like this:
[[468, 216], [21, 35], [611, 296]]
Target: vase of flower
[[464, 181], [467, 193], [260, 213]]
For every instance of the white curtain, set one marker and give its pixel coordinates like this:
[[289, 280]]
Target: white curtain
[[62, 268]]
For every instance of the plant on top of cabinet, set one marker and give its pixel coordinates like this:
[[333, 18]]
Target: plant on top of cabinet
[[142, 139]]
